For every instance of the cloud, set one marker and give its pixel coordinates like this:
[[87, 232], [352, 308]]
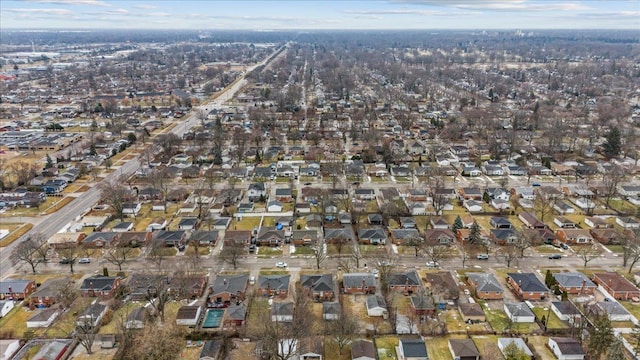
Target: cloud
[[71, 2], [158, 14], [409, 12], [64, 12], [145, 6], [502, 5]]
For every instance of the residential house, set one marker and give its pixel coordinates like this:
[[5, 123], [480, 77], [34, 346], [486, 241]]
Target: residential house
[[227, 289], [405, 236], [564, 223], [606, 236], [100, 239], [65, 239], [92, 315], [134, 238], [130, 209], [524, 192], [171, 238], [331, 310], [417, 195], [273, 285], [614, 310], [270, 236], [565, 348], [566, 311], [472, 312], [157, 224], [471, 193], [188, 315], [5, 307], [574, 236], [256, 191], [237, 236], [520, 344], [443, 284], [439, 236], [43, 318], [423, 305], [531, 221], [500, 223], [372, 236], [563, 208], [282, 312], [464, 349], [376, 306], [320, 287], [438, 222], [473, 206], [500, 204], [375, 219], [408, 222], [485, 285], [304, 237], [221, 223], [596, 222], [98, 285], [412, 349], [628, 222], [503, 236], [211, 350], [16, 289], [235, 315], [284, 195], [359, 283], [47, 293], [519, 312], [407, 283], [629, 190], [575, 283], [365, 194], [204, 238], [616, 285], [143, 286], [137, 318], [339, 235], [363, 350], [527, 286]]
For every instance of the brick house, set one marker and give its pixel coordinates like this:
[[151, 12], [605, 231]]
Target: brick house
[[47, 293], [485, 286], [407, 283], [274, 285], [103, 286], [229, 288], [359, 283], [16, 289], [527, 286], [574, 236], [575, 283], [320, 287], [616, 285]]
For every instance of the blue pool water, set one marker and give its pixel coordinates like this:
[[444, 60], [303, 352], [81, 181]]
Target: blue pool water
[[212, 318]]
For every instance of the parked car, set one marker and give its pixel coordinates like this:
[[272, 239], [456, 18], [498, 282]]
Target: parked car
[[555, 257], [375, 273], [281, 264], [65, 261], [252, 280], [432, 264], [252, 248], [84, 261], [482, 256], [564, 246]]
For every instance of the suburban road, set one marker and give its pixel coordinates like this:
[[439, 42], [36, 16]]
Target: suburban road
[[53, 223]]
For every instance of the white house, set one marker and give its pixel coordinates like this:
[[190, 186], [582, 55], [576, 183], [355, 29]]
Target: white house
[[274, 206], [131, 209], [566, 348], [5, 307], [519, 312], [628, 222], [584, 203], [473, 206], [614, 311], [500, 204], [376, 306], [43, 318]]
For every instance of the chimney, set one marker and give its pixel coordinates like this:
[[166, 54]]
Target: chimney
[[10, 292], [224, 281], [363, 284]]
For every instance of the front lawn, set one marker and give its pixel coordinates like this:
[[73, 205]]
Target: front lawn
[[268, 251], [303, 250], [633, 308]]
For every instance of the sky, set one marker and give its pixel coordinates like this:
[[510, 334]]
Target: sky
[[309, 15]]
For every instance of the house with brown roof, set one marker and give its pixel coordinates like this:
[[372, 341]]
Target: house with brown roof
[[531, 221], [574, 236], [616, 285], [235, 236], [363, 350], [66, 239], [442, 283], [472, 312], [134, 238], [464, 349], [439, 236], [605, 235]]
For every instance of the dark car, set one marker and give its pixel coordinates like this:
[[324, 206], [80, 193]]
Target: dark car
[[555, 257], [252, 248], [65, 261], [181, 247]]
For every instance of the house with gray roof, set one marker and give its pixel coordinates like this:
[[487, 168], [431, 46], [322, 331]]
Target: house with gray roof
[[320, 286], [363, 350], [464, 349], [485, 285], [372, 236], [376, 306], [359, 283], [343, 234], [405, 236], [614, 310], [566, 311], [227, 289], [331, 310], [519, 312], [407, 283], [575, 283], [282, 312], [412, 349], [274, 285]]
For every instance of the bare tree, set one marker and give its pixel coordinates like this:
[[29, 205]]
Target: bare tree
[[438, 199], [159, 343], [66, 293], [24, 171], [343, 330], [70, 254], [543, 204], [232, 252], [157, 252], [526, 239], [118, 255], [435, 251], [631, 248], [169, 143], [509, 254], [86, 332], [158, 295], [610, 181], [30, 251], [587, 253], [319, 254], [115, 194]]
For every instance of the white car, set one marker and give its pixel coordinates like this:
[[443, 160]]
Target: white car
[[432, 264], [375, 273], [281, 264], [84, 261]]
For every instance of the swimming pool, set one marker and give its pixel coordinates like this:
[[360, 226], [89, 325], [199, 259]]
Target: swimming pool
[[213, 318]]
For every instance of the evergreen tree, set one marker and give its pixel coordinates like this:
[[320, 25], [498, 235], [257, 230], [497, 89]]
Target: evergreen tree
[[549, 280], [612, 144], [457, 225], [600, 336], [49, 162], [616, 351], [474, 233], [513, 352]]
